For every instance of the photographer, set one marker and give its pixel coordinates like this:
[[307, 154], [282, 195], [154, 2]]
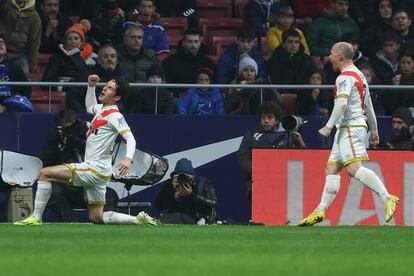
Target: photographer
[[270, 134], [187, 197]]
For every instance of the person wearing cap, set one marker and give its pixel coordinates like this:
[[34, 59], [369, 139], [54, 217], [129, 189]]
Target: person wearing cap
[[202, 101], [246, 101], [228, 63], [151, 100], [187, 197], [402, 122], [288, 63], [285, 21], [21, 28]]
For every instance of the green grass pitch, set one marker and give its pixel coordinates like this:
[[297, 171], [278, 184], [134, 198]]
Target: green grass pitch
[[86, 249]]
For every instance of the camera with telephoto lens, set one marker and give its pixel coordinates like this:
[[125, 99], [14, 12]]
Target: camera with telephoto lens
[[293, 123], [183, 180]]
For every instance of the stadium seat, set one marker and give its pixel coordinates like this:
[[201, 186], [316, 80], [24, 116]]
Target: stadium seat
[[264, 47], [220, 44], [174, 26], [215, 58], [173, 41], [34, 77], [239, 8], [289, 102], [212, 27], [42, 61], [214, 8], [74, 18], [41, 100]]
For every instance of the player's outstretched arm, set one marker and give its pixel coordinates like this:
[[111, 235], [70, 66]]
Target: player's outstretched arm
[[372, 123], [338, 110], [90, 98]]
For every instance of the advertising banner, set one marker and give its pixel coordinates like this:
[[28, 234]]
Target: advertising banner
[[288, 184]]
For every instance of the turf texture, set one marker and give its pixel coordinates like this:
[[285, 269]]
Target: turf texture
[[86, 249]]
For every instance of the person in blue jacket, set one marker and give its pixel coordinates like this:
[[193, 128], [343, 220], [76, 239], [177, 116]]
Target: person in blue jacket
[[228, 64], [202, 101]]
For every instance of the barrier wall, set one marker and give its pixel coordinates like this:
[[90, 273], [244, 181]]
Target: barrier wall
[[288, 184], [210, 142]]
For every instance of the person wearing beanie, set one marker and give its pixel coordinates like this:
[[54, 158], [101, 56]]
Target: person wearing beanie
[[246, 101], [202, 101], [151, 100], [402, 129], [71, 63], [187, 198], [228, 63]]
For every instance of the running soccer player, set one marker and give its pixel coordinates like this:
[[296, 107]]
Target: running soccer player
[[352, 110], [96, 171]]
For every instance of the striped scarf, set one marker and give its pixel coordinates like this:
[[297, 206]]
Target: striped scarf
[[4, 76]]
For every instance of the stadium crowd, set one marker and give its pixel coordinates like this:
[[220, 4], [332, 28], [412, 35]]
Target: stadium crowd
[[288, 42]]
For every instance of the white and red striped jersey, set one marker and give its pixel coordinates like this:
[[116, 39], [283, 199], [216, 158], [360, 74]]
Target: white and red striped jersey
[[352, 85], [107, 124]]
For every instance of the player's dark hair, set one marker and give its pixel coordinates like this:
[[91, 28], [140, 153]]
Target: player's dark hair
[[122, 87]]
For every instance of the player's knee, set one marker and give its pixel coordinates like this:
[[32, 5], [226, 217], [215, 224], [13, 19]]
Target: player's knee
[[351, 170], [44, 174]]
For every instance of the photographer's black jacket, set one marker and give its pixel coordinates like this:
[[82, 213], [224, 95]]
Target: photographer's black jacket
[[202, 203], [56, 152]]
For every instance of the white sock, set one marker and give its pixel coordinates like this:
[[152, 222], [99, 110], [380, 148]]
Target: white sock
[[44, 190], [118, 218], [332, 184], [372, 181]]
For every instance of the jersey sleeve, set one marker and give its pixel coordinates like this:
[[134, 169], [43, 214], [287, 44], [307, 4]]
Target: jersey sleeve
[[117, 120], [344, 86]]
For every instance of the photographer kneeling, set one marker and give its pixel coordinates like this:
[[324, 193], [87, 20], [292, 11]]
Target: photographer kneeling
[[186, 197]]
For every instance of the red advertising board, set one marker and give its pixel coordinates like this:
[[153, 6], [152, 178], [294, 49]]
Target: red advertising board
[[288, 184]]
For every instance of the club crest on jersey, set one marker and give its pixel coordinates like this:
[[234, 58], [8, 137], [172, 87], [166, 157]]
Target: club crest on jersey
[[342, 85]]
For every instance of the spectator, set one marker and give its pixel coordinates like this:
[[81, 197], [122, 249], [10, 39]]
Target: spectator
[[10, 73], [310, 9], [108, 68], [402, 127], [155, 36], [152, 100], [327, 29], [247, 101], [376, 95], [134, 60], [285, 21], [260, 14], [270, 134], [107, 28], [202, 101], [401, 22], [404, 76], [358, 59], [371, 35], [179, 8], [69, 64], [363, 11], [289, 64], [54, 25], [316, 101], [385, 62], [21, 28], [227, 67], [187, 197], [191, 55]]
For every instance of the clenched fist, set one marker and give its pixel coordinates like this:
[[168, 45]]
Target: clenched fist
[[93, 80]]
